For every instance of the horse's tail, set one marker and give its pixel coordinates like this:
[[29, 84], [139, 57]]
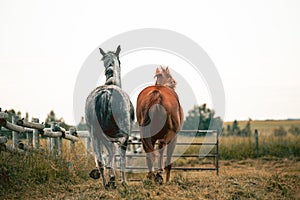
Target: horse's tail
[[103, 106], [153, 119], [152, 102]]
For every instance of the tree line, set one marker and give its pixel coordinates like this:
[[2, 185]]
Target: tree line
[[203, 118]]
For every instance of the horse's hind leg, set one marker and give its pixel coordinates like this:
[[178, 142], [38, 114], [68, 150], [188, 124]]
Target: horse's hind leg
[[97, 146], [111, 164], [148, 146], [170, 150], [100, 168], [122, 151], [161, 149]]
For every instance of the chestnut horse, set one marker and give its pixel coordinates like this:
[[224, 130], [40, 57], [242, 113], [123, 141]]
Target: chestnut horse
[[160, 117]]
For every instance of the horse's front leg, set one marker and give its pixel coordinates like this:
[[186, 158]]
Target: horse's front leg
[[122, 151]]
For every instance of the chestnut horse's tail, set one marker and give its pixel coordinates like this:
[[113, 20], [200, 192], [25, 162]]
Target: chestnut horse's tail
[[153, 118], [152, 101]]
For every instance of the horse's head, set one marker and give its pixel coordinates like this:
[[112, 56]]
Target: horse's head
[[112, 66], [163, 77]]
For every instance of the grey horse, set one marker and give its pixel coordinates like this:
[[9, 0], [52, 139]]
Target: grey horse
[[109, 116]]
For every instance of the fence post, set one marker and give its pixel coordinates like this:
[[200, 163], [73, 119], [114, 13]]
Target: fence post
[[88, 148], [217, 153], [35, 136], [59, 146], [29, 138], [14, 133], [72, 144], [256, 142], [49, 144], [53, 143]]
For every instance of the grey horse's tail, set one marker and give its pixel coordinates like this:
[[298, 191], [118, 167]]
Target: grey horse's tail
[[103, 107]]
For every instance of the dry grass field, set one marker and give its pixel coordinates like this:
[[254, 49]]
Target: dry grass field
[[246, 179], [272, 174]]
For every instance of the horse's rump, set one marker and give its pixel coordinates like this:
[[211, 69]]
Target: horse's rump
[[159, 110], [103, 102], [112, 112], [152, 100]]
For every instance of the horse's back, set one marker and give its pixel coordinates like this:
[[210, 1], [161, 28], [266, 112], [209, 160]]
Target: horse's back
[[168, 97]]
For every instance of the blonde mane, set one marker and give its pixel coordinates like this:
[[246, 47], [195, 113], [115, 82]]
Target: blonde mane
[[163, 77]]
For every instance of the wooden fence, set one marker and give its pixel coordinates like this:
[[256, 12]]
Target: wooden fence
[[55, 134], [33, 130]]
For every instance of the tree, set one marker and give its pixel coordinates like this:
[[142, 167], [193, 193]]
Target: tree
[[82, 125], [52, 118], [19, 114], [247, 130], [228, 129], [235, 129], [202, 118]]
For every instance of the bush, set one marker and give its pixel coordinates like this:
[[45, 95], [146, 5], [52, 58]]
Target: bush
[[280, 131], [294, 130]]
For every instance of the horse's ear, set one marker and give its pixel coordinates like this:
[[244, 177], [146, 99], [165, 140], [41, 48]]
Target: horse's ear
[[157, 71], [167, 69], [102, 52], [118, 50]]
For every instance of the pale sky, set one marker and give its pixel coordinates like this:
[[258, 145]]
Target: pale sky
[[254, 45]]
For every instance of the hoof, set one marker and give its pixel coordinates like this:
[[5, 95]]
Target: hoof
[[158, 178], [124, 184], [151, 176], [95, 174], [111, 183]]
